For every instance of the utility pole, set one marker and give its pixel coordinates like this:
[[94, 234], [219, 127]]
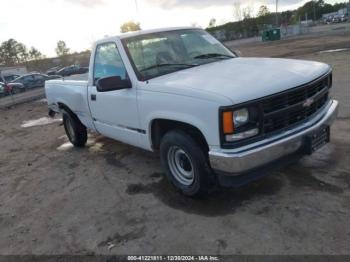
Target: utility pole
[[277, 12], [137, 10], [314, 4]]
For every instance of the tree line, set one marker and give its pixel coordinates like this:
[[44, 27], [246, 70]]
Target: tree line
[[312, 9], [248, 25], [13, 52]]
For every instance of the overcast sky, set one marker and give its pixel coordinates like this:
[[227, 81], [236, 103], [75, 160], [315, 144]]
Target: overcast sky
[[41, 23]]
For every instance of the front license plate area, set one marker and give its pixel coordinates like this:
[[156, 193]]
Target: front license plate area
[[317, 139]]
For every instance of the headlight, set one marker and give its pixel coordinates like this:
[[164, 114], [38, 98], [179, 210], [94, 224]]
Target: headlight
[[240, 117], [239, 124]]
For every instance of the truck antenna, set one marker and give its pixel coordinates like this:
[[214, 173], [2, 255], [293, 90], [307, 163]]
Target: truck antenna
[[137, 11]]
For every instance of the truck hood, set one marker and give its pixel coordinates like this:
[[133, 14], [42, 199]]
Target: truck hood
[[241, 79]]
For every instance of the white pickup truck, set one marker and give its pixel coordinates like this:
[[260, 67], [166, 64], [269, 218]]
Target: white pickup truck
[[213, 117]]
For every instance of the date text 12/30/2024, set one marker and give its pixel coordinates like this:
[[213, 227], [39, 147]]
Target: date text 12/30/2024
[[173, 258]]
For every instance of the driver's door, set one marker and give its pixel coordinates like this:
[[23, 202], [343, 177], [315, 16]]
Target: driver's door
[[28, 81], [114, 112]]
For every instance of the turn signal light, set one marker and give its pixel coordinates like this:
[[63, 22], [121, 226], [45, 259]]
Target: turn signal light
[[227, 122]]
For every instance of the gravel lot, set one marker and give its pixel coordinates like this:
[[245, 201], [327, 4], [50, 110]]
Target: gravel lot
[[111, 198]]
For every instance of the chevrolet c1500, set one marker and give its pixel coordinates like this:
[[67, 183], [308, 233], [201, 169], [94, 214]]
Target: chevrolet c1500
[[213, 117]]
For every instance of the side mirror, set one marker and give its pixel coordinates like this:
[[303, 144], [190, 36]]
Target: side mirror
[[112, 83]]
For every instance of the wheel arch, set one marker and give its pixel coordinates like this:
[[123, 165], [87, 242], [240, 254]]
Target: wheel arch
[[63, 106], [160, 126]]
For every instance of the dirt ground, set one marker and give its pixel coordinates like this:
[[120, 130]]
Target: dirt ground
[[111, 198]]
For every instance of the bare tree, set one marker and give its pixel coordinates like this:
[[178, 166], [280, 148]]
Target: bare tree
[[35, 54], [62, 49], [22, 53], [237, 11], [263, 11], [212, 22], [247, 12]]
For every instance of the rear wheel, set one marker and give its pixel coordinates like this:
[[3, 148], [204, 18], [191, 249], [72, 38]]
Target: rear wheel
[[75, 130], [186, 164], [15, 90]]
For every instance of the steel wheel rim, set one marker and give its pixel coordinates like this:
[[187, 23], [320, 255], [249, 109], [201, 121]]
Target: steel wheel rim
[[70, 129], [180, 165]]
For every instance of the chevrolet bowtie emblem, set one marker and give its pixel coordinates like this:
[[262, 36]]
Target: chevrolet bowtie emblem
[[308, 102]]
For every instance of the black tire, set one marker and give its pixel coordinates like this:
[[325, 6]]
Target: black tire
[[75, 130], [203, 177], [15, 90]]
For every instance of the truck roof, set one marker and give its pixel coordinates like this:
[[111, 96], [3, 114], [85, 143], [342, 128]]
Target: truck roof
[[143, 32]]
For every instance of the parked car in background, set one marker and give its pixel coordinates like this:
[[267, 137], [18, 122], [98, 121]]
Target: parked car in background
[[50, 77], [328, 20], [72, 70], [336, 19], [53, 70], [3, 90], [15, 88], [8, 89], [344, 18], [34, 80], [9, 78], [11, 88]]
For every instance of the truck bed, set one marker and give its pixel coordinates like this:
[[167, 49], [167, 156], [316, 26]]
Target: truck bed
[[70, 92]]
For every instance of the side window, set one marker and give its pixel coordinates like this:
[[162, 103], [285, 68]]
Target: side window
[[38, 77], [108, 62], [28, 78]]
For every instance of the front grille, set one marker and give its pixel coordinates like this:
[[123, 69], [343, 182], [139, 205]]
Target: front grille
[[294, 106]]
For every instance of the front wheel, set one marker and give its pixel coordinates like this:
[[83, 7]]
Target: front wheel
[[186, 164], [15, 90], [75, 130]]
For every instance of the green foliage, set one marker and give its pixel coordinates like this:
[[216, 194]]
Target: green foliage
[[241, 29], [247, 12], [130, 26], [315, 9], [250, 27], [62, 49], [13, 52], [9, 52], [263, 11], [212, 22], [35, 54]]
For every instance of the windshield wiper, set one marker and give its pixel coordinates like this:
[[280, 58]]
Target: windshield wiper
[[213, 55], [168, 64]]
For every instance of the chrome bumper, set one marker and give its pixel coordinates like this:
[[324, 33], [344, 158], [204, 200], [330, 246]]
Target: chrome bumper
[[240, 160]]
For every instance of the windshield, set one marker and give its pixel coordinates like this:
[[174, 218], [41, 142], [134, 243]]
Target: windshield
[[162, 53]]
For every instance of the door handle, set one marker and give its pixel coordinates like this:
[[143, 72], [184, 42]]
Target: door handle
[[93, 97]]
